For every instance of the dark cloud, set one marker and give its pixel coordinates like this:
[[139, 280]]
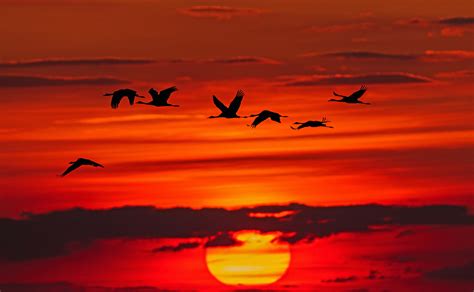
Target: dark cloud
[[222, 239], [179, 247], [457, 21], [218, 12], [57, 233], [73, 62], [36, 81], [340, 279], [376, 78], [70, 287], [366, 55], [457, 273]]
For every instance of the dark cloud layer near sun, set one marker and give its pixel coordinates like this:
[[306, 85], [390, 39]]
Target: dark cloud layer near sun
[[218, 12], [459, 273], [57, 233], [36, 81], [376, 78], [457, 21], [72, 62]]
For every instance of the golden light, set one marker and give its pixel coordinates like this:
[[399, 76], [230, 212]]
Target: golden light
[[257, 261]]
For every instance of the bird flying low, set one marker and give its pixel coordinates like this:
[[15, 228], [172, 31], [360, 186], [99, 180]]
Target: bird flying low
[[121, 93], [160, 99], [353, 98], [263, 115], [80, 162], [231, 111], [313, 124]]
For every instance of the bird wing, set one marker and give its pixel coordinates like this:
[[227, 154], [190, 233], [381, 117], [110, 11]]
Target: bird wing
[[166, 93], [219, 104], [260, 118], [154, 95], [356, 95], [131, 99], [275, 117], [71, 168], [84, 161], [116, 98], [235, 104]]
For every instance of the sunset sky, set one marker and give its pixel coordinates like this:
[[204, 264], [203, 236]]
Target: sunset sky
[[384, 200]]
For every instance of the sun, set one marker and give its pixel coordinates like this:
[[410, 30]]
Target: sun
[[259, 260]]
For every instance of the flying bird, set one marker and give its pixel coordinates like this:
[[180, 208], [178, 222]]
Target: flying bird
[[265, 114], [160, 99], [353, 98], [313, 124], [121, 93], [80, 162], [231, 111]]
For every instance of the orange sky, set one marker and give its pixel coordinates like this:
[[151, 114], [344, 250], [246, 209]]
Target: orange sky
[[412, 146]]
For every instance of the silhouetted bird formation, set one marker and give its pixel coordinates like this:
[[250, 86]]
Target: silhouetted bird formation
[[231, 111], [160, 99], [263, 115], [353, 98], [121, 93], [78, 163], [312, 124]]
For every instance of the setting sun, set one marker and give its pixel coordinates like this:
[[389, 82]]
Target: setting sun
[[259, 260]]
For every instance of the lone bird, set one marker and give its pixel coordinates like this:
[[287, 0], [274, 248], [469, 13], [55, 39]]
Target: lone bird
[[353, 98], [80, 162], [313, 124], [265, 114], [231, 111], [121, 93], [160, 99]]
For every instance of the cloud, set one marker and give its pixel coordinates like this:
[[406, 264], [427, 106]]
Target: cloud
[[375, 78], [219, 12], [73, 62], [457, 21], [447, 55], [222, 239], [36, 81], [59, 232], [340, 279], [459, 273], [175, 248], [364, 55], [455, 74], [237, 60]]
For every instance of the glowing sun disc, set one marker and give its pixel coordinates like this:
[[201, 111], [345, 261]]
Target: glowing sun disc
[[258, 261]]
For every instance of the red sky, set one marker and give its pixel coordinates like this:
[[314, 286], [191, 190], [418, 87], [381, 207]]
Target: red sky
[[412, 146]]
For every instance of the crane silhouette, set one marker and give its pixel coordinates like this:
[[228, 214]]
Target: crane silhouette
[[231, 111], [160, 99], [353, 98], [263, 115], [121, 93], [80, 162], [313, 124]]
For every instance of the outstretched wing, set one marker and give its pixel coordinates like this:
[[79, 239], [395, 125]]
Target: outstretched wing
[[219, 104], [131, 99], [166, 93], [356, 95], [276, 118], [116, 98], [84, 161], [235, 104], [260, 118], [71, 168]]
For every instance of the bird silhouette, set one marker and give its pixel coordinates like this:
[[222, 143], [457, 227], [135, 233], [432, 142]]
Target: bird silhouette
[[121, 93], [231, 111], [79, 162], [263, 115], [313, 124], [160, 99], [353, 98]]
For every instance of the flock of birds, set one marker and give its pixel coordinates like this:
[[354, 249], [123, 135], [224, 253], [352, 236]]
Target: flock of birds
[[160, 99]]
